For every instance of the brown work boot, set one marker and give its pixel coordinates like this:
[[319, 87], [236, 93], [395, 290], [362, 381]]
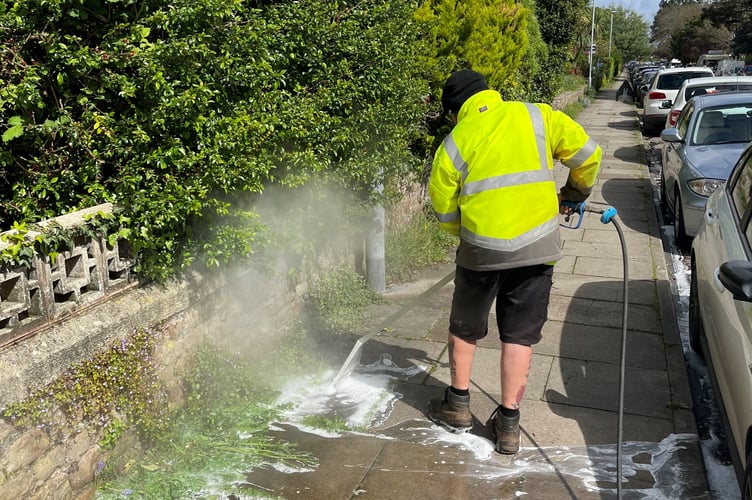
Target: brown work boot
[[452, 412], [506, 432]]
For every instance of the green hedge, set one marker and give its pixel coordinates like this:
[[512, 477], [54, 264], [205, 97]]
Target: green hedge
[[182, 113]]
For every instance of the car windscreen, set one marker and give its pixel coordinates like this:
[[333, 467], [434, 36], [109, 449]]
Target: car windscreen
[[673, 81], [690, 92], [726, 124]]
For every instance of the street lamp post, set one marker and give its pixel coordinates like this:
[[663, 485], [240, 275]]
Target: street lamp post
[[610, 34], [590, 52]]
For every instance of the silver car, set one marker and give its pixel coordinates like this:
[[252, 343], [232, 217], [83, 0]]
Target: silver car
[[720, 308], [710, 134]]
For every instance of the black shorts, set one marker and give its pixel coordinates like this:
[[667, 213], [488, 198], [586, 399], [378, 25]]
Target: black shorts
[[521, 296]]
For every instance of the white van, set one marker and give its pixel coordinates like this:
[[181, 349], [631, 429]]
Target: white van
[[712, 58], [729, 67]]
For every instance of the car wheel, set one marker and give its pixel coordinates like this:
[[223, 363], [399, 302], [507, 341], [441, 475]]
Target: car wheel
[[696, 331], [747, 481], [680, 233]]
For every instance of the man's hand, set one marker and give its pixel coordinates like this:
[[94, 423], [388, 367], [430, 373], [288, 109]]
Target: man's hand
[[565, 207]]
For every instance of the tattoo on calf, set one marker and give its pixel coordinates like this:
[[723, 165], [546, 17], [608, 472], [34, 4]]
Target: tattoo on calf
[[452, 364]]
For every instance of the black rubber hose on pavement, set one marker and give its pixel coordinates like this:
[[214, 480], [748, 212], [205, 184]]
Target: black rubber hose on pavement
[[609, 215], [623, 356]]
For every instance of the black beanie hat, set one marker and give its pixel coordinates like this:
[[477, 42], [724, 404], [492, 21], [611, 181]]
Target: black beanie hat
[[459, 87]]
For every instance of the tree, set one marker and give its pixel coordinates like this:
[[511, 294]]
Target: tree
[[489, 36], [698, 37], [672, 17], [736, 15], [558, 23], [630, 37]]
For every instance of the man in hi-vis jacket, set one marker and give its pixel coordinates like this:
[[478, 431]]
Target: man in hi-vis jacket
[[492, 184]]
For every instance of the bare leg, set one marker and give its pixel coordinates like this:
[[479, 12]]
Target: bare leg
[[515, 367], [461, 353]]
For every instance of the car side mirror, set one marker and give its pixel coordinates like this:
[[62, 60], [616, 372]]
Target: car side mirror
[[671, 135], [666, 104], [643, 88], [736, 277]]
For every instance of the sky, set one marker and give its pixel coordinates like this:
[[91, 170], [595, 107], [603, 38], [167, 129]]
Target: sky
[[645, 8]]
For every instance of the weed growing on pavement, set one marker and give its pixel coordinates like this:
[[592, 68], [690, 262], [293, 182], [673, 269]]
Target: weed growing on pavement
[[419, 243], [221, 432], [334, 424], [338, 297], [336, 300]]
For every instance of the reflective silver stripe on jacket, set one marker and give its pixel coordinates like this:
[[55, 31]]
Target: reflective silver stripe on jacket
[[499, 181], [540, 134], [454, 154], [450, 217], [582, 155], [514, 244]]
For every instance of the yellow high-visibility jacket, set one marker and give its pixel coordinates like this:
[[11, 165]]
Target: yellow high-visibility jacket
[[492, 180]]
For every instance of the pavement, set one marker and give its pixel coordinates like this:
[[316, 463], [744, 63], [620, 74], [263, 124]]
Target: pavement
[[569, 413]]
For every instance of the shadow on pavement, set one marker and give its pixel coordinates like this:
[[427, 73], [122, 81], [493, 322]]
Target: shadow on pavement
[[584, 387]]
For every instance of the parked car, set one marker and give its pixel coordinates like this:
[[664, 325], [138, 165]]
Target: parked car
[[645, 78], [710, 134], [706, 85], [720, 309], [635, 74], [664, 88], [641, 67]]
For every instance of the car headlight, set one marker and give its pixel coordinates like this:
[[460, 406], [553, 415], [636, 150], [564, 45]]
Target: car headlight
[[705, 187]]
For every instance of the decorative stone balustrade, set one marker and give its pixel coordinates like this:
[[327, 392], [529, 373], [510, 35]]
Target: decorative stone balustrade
[[46, 291]]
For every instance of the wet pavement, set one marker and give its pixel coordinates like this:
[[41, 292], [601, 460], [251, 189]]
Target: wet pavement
[[570, 408]]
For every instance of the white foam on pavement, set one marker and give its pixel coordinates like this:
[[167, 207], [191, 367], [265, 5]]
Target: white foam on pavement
[[366, 398]]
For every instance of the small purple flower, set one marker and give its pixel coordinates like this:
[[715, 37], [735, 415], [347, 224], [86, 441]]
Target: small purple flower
[[100, 466], [128, 492]]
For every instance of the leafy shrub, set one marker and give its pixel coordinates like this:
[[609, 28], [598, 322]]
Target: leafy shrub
[[181, 112]]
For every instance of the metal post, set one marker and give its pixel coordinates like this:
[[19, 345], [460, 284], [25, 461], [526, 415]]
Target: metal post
[[610, 34], [590, 52], [375, 254]]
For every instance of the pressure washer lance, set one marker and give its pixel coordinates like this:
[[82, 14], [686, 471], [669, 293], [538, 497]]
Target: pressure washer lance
[[609, 215]]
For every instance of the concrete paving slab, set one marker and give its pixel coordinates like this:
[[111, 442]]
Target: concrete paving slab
[[607, 253], [610, 289], [592, 384], [406, 354], [602, 313], [592, 343], [605, 234], [613, 268], [339, 472], [551, 425]]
